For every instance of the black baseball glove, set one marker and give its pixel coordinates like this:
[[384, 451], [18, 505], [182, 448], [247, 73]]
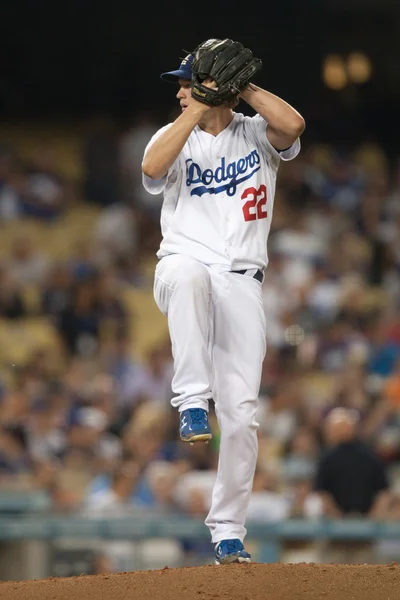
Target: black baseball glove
[[229, 64]]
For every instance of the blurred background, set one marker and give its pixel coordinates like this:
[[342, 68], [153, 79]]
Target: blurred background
[[86, 428]]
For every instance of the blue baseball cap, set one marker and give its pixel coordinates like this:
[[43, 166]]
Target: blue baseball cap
[[184, 71]]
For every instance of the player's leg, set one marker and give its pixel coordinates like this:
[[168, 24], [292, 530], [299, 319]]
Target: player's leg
[[182, 290], [239, 350]]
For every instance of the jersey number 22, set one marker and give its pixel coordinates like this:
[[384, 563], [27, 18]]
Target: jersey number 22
[[255, 206]]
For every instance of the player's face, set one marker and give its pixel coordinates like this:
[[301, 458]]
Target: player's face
[[184, 94]]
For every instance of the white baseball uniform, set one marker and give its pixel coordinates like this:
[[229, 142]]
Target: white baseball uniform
[[215, 219]]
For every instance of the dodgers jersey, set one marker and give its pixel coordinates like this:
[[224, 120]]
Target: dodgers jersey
[[219, 195]]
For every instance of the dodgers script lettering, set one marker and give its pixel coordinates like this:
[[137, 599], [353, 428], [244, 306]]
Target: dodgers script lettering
[[227, 176]]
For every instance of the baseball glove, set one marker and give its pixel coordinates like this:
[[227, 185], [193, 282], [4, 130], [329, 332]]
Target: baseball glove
[[229, 64]]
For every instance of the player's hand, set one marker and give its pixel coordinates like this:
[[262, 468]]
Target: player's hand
[[210, 83], [229, 64]]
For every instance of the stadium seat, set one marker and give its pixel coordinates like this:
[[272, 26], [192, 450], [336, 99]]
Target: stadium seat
[[19, 339], [149, 325]]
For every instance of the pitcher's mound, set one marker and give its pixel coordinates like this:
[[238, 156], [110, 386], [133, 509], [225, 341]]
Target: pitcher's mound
[[230, 582]]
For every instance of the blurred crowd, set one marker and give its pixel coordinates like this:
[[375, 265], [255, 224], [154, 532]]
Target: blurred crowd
[[95, 430]]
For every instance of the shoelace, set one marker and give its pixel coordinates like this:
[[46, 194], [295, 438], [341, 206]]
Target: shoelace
[[230, 546], [196, 414]]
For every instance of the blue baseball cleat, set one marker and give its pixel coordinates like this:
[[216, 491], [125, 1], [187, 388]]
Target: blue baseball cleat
[[194, 426], [231, 551]]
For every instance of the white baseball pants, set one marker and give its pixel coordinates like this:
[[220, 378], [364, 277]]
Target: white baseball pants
[[217, 329]]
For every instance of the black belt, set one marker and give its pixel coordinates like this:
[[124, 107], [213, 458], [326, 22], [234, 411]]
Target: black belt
[[258, 275]]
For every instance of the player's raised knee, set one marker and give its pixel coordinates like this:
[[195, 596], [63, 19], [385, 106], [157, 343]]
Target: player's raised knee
[[191, 273]]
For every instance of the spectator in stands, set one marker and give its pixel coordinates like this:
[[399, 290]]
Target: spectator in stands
[[349, 390], [90, 430], [299, 248], [352, 481], [353, 295], [14, 460], [117, 360], [116, 232], [143, 436], [41, 369], [193, 492], [83, 260], [280, 300], [133, 142], [114, 498], [151, 381], [391, 389], [71, 478], [322, 292], [146, 484], [193, 498], [383, 352], [350, 477], [335, 341], [278, 413], [304, 503], [27, 263], [382, 425], [44, 432], [111, 308], [29, 387], [12, 304], [55, 292], [161, 477], [47, 193], [79, 324], [301, 455], [267, 500], [343, 182]]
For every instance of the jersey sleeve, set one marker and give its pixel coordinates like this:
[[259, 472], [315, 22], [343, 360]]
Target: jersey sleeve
[[156, 186], [153, 186], [260, 128], [289, 153]]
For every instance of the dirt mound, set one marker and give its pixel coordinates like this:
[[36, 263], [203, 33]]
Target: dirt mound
[[244, 582]]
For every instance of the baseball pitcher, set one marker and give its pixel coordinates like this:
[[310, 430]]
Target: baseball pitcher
[[217, 170]]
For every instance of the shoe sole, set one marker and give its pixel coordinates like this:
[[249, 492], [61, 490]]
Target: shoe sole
[[203, 437], [229, 560]]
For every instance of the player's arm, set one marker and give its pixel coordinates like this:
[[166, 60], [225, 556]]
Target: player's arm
[[165, 149], [285, 124]]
